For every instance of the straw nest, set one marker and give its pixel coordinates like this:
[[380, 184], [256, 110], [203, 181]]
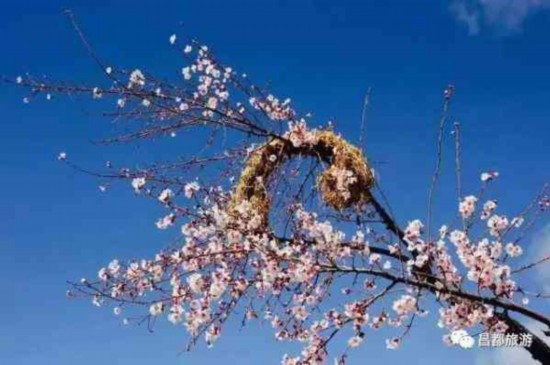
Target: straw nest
[[342, 158]]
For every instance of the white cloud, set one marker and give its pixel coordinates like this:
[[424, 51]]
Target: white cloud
[[508, 15], [465, 14], [505, 356]]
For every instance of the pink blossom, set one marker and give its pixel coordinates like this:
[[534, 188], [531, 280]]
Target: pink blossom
[[166, 196], [467, 206], [191, 189]]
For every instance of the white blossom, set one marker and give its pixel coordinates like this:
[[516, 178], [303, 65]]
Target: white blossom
[[393, 343], [195, 282], [186, 71], [166, 196], [156, 308], [467, 206], [212, 103], [191, 189], [97, 94], [166, 221], [355, 341], [138, 183], [490, 175], [513, 250], [136, 78]]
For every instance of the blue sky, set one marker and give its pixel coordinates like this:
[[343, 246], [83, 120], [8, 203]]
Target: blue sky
[[55, 225]]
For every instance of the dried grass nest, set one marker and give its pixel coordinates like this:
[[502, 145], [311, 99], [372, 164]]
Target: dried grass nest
[[340, 155]]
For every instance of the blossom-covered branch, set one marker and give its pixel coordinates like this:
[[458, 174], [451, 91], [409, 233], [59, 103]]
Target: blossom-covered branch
[[276, 217]]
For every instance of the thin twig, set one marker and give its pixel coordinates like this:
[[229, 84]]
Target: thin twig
[[445, 110], [362, 134]]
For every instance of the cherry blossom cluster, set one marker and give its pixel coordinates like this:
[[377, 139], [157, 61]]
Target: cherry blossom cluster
[[467, 206], [273, 107], [464, 314], [299, 134], [484, 259], [224, 259], [228, 261]]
